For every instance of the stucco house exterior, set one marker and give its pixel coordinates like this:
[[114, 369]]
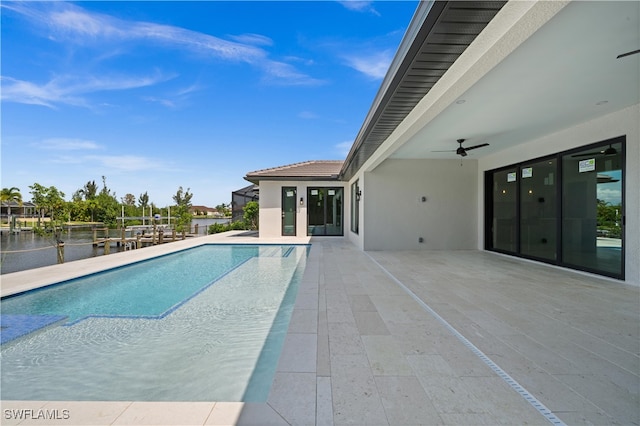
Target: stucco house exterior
[[508, 126], [301, 199]]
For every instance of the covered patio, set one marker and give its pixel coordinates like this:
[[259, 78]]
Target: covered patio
[[463, 337]]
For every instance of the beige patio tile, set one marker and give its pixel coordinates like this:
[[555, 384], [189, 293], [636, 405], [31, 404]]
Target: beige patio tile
[[293, 396], [370, 323], [299, 353], [384, 357], [165, 413], [239, 413], [405, 402], [304, 321]]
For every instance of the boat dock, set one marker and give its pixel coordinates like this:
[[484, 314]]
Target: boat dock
[[135, 237]]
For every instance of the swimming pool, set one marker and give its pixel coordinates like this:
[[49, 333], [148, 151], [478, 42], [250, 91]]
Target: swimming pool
[[204, 324]]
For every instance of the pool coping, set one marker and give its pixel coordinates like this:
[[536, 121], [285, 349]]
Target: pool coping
[[167, 413]]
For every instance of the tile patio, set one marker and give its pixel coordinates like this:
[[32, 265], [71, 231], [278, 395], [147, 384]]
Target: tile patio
[[417, 337]]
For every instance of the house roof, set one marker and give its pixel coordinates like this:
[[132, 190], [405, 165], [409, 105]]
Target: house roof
[[202, 209], [248, 191], [307, 170], [16, 204], [438, 34]]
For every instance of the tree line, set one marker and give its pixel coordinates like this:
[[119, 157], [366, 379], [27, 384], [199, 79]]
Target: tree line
[[93, 204]]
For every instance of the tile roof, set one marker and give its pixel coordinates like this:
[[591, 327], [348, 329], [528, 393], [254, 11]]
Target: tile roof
[[307, 170], [250, 190]]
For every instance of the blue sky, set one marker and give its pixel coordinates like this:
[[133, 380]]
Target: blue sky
[[158, 95]]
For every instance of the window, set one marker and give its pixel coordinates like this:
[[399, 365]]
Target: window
[[355, 207]]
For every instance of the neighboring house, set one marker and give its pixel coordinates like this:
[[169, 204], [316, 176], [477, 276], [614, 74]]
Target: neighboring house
[[240, 198], [25, 209], [546, 93], [204, 211]]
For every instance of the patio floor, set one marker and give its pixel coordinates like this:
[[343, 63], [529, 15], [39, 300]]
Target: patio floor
[[427, 337]]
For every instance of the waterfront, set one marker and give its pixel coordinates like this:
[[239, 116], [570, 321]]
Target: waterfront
[[27, 250]]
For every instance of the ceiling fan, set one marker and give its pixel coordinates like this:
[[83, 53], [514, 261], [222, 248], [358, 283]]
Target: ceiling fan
[[462, 151], [609, 151]]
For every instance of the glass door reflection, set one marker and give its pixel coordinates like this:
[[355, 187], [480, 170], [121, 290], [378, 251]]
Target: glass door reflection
[[593, 209]]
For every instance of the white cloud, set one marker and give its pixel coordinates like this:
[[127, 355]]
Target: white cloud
[[69, 89], [66, 144], [611, 193], [375, 65], [308, 115], [75, 25], [254, 39], [164, 102], [360, 6], [343, 148], [285, 74]]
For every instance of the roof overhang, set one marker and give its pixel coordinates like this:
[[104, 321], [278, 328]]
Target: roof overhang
[[438, 34], [326, 170], [256, 180], [538, 68]]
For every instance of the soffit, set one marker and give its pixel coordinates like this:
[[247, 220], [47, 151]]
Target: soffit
[[566, 73], [443, 30]]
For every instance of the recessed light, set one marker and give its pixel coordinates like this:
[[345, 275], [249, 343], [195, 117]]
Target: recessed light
[[460, 101], [602, 102]]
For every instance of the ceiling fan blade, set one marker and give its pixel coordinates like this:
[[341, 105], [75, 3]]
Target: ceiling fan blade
[[476, 146], [609, 151], [588, 154]]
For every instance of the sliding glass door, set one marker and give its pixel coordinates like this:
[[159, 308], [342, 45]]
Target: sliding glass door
[[505, 210], [566, 209], [538, 209]]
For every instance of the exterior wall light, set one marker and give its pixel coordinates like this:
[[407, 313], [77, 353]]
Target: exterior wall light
[[358, 195], [301, 201]]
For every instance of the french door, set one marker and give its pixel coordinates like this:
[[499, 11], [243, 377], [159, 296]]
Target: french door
[[289, 213], [324, 211]]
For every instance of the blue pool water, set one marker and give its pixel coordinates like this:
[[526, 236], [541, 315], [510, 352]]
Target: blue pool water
[[205, 324], [140, 290]]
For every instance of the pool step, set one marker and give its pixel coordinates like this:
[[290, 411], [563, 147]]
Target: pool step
[[15, 326]]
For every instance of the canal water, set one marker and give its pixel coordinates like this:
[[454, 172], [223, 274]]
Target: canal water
[[26, 250]]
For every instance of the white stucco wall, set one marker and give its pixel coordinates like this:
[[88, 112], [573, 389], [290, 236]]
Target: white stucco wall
[[624, 122], [396, 217], [271, 206]]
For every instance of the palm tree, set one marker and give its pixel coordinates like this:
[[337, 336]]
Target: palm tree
[[11, 195]]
